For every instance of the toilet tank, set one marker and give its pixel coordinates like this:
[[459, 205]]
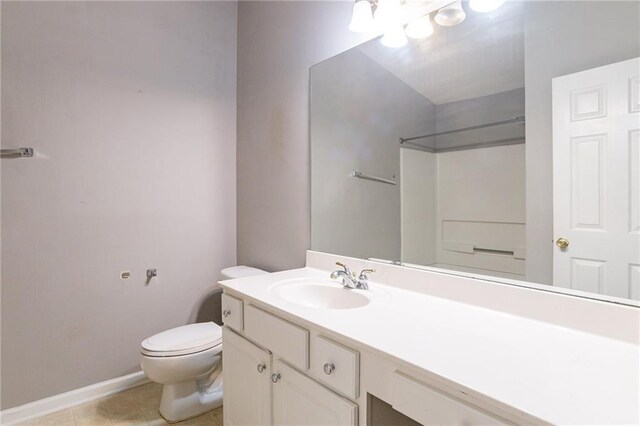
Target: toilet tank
[[240, 271]]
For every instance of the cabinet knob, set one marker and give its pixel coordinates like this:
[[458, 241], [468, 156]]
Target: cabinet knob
[[328, 368], [275, 377], [226, 313], [563, 243], [261, 367]]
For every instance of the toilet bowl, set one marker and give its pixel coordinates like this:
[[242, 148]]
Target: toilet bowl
[[187, 361]]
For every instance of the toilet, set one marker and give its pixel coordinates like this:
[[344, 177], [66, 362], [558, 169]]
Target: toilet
[[187, 360]]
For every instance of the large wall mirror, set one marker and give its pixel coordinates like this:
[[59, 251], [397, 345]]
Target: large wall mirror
[[507, 146]]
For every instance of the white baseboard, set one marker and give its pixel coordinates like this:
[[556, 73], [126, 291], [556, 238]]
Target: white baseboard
[[70, 399]]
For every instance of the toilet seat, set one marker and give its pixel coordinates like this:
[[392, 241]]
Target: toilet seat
[[185, 340]]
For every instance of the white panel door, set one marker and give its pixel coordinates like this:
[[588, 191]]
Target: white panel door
[[596, 179], [298, 401], [247, 384]]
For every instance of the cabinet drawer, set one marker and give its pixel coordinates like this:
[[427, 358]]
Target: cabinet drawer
[[232, 312], [428, 406], [279, 336], [336, 366]]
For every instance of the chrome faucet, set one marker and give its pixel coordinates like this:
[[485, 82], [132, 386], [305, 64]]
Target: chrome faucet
[[348, 278]]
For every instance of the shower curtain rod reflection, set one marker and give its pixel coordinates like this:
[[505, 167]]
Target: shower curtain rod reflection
[[464, 129]]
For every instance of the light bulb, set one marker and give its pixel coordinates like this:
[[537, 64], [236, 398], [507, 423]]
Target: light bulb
[[419, 27], [394, 37], [450, 15], [387, 14], [362, 17], [484, 6]]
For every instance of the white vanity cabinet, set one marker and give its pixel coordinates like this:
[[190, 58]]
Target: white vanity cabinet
[[277, 372], [261, 388]]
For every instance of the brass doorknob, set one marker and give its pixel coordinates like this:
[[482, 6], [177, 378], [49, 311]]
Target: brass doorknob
[[563, 243]]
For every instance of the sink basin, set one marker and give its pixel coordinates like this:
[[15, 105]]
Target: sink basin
[[319, 293]]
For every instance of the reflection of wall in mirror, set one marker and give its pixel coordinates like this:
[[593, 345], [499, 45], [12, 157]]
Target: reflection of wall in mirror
[[366, 219], [464, 210], [469, 192], [481, 203], [359, 109], [418, 194]]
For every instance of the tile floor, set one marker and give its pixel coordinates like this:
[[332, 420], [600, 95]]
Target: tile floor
[[137, 406]]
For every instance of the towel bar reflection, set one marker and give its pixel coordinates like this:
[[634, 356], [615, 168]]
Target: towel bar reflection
[[361, 175], [16, 153]]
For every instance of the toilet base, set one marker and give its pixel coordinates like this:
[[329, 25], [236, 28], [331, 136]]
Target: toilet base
[[184, 400]]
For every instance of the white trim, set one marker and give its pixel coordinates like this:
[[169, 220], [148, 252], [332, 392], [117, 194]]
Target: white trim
[[70, 399]]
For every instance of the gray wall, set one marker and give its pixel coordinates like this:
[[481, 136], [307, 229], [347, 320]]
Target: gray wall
[[563, 38], [350, 216], [472, 112], [277, 43], [131, 108]]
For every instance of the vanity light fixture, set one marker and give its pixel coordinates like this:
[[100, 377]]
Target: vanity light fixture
[[450, 15], [399, 19], [484, 6], [420, 27]]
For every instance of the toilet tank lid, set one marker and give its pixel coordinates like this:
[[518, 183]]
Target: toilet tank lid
[[241, 271]]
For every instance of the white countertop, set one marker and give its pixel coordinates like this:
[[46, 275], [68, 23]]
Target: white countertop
[[553, 373]]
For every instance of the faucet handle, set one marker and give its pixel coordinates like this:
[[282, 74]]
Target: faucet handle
[[345, 267], [363, 279], [364, 272]]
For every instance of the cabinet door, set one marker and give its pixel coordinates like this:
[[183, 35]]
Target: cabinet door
[[298, 400], [247, 385]]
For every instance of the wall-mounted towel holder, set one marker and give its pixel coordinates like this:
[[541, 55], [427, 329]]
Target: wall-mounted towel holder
[[361, 175], [16, 153]]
